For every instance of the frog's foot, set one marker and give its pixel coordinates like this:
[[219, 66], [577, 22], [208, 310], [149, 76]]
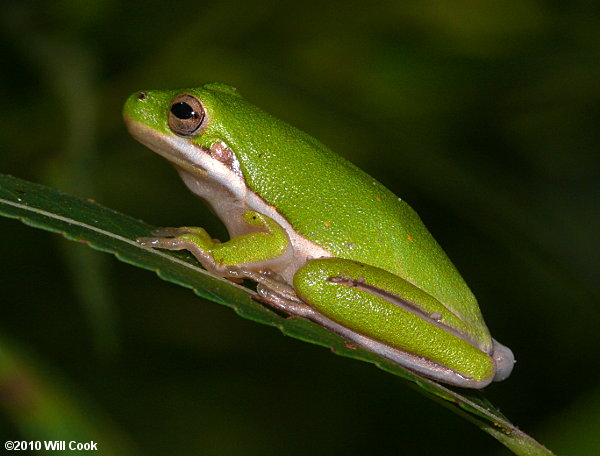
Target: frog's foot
[[171, 232], [266, 279], [194, 239], [285, 301], [265, 243], [273, 290]]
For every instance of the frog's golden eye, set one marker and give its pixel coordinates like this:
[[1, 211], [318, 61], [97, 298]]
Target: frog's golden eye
[[186, 115]]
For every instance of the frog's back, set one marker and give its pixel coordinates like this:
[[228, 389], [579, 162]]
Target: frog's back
[[338, 206]]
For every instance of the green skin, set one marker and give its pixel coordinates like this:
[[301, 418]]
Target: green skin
[[324, 240]]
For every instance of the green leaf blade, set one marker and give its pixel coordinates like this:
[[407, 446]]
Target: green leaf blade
[[109, 231]]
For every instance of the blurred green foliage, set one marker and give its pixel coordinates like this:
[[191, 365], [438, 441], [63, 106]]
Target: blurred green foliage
[[483, 115]]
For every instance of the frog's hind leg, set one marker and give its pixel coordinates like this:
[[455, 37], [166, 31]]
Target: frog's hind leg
[[391, 317]]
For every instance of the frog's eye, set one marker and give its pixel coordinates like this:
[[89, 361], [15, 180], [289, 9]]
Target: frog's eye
[[186, 115]]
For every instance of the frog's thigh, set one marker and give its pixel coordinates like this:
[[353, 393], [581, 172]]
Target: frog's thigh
[[362, 298]]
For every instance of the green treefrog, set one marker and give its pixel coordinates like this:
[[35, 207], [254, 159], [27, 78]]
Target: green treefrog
[[322, 239]]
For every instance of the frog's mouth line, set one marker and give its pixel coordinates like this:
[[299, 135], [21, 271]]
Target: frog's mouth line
[[169, 147]]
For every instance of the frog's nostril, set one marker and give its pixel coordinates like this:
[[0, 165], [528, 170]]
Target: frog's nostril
[[142, 96]]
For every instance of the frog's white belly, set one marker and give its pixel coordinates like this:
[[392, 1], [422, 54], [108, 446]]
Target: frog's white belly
[[230, 198]]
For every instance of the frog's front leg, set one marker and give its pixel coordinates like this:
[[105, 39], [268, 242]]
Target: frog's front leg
[[389, 316], [266, 241]]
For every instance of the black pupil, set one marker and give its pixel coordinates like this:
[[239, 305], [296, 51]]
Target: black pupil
[[183, 111]]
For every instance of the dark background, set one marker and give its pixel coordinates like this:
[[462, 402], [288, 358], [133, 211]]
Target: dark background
[[482, 114]]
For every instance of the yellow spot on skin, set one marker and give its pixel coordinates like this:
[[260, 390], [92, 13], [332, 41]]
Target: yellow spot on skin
[[410, 238], [327, 224], [378, 199]]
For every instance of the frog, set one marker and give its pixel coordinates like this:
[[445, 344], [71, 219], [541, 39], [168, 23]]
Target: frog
[[321, 239]]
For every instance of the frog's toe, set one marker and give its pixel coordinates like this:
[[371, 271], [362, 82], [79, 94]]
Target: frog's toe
[[173, 231], [159, 242]]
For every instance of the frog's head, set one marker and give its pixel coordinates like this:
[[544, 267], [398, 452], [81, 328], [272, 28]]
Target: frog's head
[[170, 121], [193, 129], [213, 133], [198, 128]]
